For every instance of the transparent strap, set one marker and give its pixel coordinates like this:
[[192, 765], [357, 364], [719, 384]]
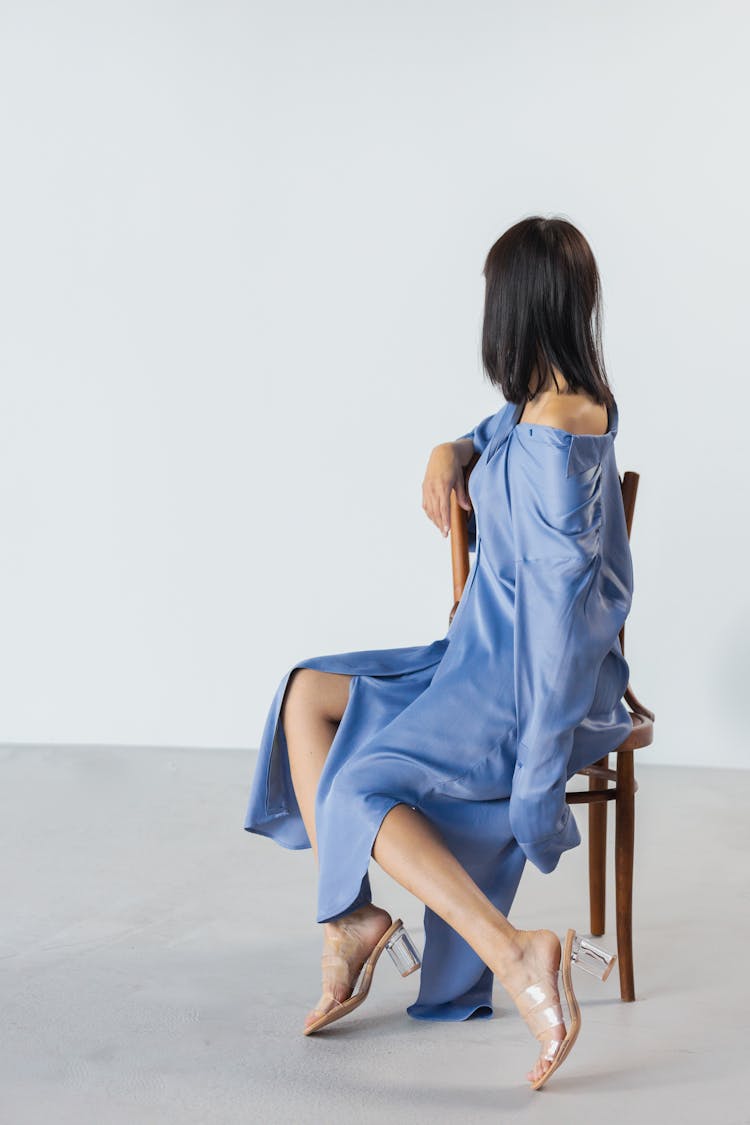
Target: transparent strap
[[337, 970], [541, 1012]]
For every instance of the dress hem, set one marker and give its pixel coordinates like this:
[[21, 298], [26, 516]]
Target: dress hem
[[352, 903]]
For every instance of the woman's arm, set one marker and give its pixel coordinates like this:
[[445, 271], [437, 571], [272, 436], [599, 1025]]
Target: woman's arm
[[567, 617], [465, 450], [445, 472]]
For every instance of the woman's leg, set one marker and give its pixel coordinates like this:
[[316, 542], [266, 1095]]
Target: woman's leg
[[313, 706], [410, 849], [314, 703]]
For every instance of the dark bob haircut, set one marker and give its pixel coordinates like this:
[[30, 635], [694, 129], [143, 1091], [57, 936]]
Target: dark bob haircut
[[543, 307]]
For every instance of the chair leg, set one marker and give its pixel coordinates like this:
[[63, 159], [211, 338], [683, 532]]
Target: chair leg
[[624, 842], [598, 854]]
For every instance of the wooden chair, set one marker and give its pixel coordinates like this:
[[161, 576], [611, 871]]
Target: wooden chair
[[623, 785]]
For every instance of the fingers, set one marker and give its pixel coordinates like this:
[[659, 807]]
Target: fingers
[[444, 474], [462, 495], [436, 503], [445, 513]]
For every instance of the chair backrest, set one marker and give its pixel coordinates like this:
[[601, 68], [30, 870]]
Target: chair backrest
[[460, 541]]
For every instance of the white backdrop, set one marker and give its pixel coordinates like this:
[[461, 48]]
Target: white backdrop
[[241, 290]]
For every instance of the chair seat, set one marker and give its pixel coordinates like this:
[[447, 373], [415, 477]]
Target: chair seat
[[641, 735]]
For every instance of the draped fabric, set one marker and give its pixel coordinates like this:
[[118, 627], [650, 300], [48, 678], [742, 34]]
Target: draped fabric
[[481, 728]]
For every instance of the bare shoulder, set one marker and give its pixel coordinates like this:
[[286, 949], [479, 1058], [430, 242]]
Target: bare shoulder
[[576, 413]]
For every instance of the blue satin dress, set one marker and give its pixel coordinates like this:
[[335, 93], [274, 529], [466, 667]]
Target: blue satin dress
[[482, 728]]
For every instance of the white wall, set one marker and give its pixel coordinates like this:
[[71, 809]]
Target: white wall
[[240, 274]]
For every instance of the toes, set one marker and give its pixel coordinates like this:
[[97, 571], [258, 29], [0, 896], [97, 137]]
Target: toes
[[540, 1067], [326, 1003]]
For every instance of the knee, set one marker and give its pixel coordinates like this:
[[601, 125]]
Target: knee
[[300, 692], [311, 691], [314, 693]]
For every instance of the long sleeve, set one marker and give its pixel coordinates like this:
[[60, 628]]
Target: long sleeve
[[481, 433], [566, 622], [480, 436]]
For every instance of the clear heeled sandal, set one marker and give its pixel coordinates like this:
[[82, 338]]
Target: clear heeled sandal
[[403, 952], [537, 1006]]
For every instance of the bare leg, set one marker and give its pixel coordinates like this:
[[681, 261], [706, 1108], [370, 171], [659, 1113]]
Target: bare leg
[[408, 848], [411, 850], [313, 705]]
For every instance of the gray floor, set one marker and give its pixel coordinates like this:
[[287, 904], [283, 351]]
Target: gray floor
[[156, 962]]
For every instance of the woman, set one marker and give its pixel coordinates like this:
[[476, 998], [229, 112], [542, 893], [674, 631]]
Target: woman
[[447, 762]]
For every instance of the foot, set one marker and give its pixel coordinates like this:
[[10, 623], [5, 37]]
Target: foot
[[347, 943], [535, 959]]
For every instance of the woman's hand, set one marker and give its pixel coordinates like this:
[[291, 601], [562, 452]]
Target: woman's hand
[[445, 472]]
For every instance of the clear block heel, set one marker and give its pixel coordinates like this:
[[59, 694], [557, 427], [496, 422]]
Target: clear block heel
[[403, 952], [591, 957]]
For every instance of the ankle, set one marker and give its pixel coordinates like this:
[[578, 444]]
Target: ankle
[[511, 954], [361, 914]]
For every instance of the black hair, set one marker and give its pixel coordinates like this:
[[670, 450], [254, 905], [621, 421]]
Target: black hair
[[543, 307]]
